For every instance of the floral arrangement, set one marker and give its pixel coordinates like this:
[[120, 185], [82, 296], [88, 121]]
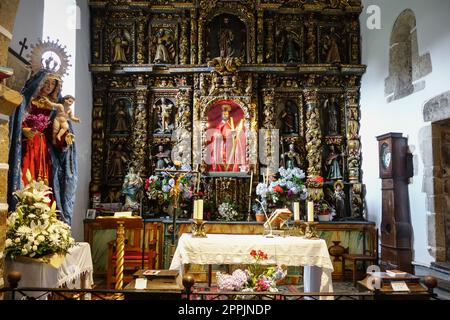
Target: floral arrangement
[[37, 122], [256, 278], [33, 229], [288, 187], [227, 212], [164, 187]]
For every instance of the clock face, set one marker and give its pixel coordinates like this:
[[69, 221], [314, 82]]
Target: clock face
[[385, 155]]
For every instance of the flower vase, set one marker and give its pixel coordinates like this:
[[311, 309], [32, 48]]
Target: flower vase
[[260, 217], [324, 217]]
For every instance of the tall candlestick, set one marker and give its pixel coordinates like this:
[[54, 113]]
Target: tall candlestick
[[200, 210], [296, 211], [310, 211], [194, 214], [267, 175], [250, 192]]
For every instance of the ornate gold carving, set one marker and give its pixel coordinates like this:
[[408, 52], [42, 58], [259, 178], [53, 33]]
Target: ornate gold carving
[[184, 46], [313, 134], [139, 134]]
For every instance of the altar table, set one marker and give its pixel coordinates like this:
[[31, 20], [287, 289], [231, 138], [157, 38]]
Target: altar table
[[235, 249], [76, 271]]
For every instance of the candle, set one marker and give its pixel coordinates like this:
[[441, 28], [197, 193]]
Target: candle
[[200, 210], [296, 211], [310, 211], [250, 193], [267, 175], [194, 215]]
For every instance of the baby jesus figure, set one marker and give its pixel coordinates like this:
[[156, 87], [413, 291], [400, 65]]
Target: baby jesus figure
[[64, 113]]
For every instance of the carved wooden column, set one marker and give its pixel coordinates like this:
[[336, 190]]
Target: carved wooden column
[[200, 40], [311, 38], [184, 47], [260, 37], [98, 135], [182, 149], [354, 149], [269, 41], [140, 138], [313, 143], [269, 124], [194, 40], [140, 41]]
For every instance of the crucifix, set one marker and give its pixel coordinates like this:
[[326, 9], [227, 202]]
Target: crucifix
[[23, 45], [175, 193]]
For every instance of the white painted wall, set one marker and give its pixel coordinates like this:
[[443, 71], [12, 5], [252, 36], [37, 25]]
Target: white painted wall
[[28, 24], [405, 115], [83, 131]]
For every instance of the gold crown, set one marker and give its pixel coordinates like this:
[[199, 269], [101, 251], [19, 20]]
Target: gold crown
[[42, 57]]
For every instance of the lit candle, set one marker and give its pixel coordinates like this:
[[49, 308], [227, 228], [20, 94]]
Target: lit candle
[[200, 210], [310, 211], [194, 215], [296, 211]]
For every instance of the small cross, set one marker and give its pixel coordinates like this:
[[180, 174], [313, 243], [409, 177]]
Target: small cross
[[24, 46]]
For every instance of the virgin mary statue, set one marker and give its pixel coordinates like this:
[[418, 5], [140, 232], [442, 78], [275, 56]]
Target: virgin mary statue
[[31, 147]]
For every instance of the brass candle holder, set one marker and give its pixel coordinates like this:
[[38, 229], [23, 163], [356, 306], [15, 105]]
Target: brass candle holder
[[198, 228], [298, 229], [311, 230]]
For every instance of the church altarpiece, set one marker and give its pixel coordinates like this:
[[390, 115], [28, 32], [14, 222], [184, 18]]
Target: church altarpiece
[[164, 72]]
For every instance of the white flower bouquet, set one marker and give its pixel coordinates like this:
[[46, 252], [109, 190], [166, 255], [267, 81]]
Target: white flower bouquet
[[227, 212], [33, 229]]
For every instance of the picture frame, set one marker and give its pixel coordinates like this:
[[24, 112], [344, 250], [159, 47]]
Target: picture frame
[[90, 214]]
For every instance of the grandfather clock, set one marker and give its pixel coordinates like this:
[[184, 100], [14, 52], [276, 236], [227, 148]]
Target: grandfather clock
[[396, 228]]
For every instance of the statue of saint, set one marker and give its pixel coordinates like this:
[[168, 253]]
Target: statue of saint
[[118, 158], [228, 144], [339, 200], [162, 53], [226, 38], [120, 44], [331, 108], [165, 111], [120, 117], [163, 158], [289, 118], [290, 53], [131, 188], [332, 162], [33, 149], [290, 159], [332, 47]]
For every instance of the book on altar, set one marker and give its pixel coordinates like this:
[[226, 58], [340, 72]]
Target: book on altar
[[278, 218], [396, 273]]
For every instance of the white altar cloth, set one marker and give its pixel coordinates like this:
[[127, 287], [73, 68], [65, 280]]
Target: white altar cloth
[[76, 271], [235, 249]]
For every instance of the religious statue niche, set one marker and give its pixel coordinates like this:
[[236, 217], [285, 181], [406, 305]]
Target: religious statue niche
[[164, 116], [120, 117], [163, 44], [288, 118], [332, 45], [118, 157], [227, 37], [161, 159], [333, 163], [332, 116], [290, 158], [121, 44], [226, 139], [289, 46]]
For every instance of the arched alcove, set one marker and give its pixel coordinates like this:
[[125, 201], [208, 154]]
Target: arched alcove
[[406, 67]]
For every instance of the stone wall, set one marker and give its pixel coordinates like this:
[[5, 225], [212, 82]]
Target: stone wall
[[8, 98]]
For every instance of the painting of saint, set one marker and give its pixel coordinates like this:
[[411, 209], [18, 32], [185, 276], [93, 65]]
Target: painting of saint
[[226, 138]]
